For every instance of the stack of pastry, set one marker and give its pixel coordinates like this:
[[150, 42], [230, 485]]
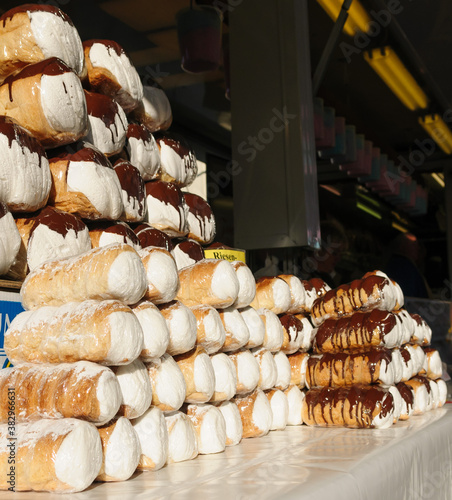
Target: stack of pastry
[[78, 132], [369, 367]]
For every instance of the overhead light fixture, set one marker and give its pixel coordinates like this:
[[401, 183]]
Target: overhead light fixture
[[400, 228], [439, 178], [358, 19], [392, 71], [368, 210], [437, 129]]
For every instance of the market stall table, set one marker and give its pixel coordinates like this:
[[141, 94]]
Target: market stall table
[[411, 460]]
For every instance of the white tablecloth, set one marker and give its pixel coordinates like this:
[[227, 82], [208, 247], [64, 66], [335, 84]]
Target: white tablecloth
[[411, 460]]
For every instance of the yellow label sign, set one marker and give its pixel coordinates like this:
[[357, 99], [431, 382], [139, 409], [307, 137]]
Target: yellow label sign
[[225, 254]]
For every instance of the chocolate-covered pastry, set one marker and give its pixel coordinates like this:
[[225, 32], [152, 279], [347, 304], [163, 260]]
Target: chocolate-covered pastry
[[133, 194], [149, 236], [200, 219], [142, 151]]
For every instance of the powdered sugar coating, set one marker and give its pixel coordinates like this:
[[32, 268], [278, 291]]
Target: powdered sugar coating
[[136, 389]]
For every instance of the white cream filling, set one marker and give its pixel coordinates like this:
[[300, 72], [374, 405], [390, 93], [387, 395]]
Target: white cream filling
[[308, 335], [225, 377], [169, 383], [63, 103], [384, 422], [224, 284], [120, 66], [397, 365], [57, 38], [28, 183], [295, 398], [79, 457], [283, 371], [267, 368], [108, 238], [386, 375], [182, 258], [215, 334], [280, 410], [164, 215], [136, 388], [46, 244], [247, 372], [421, 400], [172, 164], [126, 338], [201, 231], [237, 332], [211, 430], [182, 329], [256, 327], [155, 331], [127, 278], [442, 392], [145, 156], [398, 402], [153, 435], [161, 272], [434, 392], [281, 296], [274, 331], [247, 286], [10, 241], [108, 139], [182, 443], [297, 295], [156, 104], [109, 396], [123, 451], [203, 376], [417, 361], [99, 184], [233, 421], [434, 364], [262, 413]]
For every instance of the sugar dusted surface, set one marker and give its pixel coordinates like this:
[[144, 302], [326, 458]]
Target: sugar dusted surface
[[169, 383]]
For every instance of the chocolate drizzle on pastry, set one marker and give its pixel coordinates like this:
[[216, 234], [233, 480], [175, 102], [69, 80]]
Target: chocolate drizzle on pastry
[[35, 7]]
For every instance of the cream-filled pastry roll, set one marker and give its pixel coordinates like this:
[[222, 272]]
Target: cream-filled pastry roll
[[211, 334], [442, 390], [121, 450], [45, 454], [136, 389], [47, 99], [161, 274], [47, 235], [168, 383], [283, 371], [155, 331], [105, 332], [25, 179], [295, 398], [210, 281], [182, 439], [423, 397], [225, 377], [104, 233], [111, 72], [247, 285], [82, 390], [407, 394], [274, 331], [293, 333], [107, 123], [166, 208], [187, 252], [111, 272], [255, 412], [297, 293], [280, 409], [298, 366], [272, 293], [142, 151], [132, 189], [177, 159], [268, 372], [199, 375], [422, 332], [200, 218], [154, 111], [233, 421], [151, 237], [247, 370], [434, 363], [84, 183], [33, 32], [181, 323], [153, 436], [210, 427], [255, 325], [10, 240], [237, 333]]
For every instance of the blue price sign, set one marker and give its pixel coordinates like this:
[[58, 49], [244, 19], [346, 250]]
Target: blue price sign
[[10, 306]]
